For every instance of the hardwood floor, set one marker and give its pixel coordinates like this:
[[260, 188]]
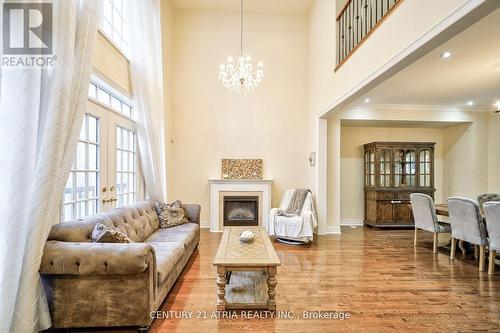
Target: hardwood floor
[[385, 284]]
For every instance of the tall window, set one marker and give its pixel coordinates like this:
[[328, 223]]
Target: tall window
[[105, 173], [81, 191], [103, 93], [114, 23], [125, 166]]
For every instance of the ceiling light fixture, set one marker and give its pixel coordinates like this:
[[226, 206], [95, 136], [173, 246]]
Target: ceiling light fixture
[[240, 77], [446, 54], [367, 100], [470, 103]]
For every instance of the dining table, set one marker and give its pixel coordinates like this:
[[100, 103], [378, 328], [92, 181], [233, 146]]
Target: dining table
[[444, 239], [442, 210]]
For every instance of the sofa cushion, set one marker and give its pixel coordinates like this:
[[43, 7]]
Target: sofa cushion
[[171, 214], [167, 255], [104, 234], [184, 233]]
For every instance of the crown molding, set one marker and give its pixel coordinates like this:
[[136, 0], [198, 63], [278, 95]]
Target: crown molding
[[421, 107]]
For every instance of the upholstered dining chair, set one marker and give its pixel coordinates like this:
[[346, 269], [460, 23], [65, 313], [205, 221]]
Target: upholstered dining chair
[[467, 225], [424, 214], [492, 212], [485, 197]]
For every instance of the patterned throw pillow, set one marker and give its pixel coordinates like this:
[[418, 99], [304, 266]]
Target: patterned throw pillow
[[171, 214], [104, 234]]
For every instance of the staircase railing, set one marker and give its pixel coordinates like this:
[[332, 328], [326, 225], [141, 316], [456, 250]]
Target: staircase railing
[[357, 20]]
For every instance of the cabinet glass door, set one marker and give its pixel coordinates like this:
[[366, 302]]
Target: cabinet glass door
[[385, 168], [370, 168], [425, 168]]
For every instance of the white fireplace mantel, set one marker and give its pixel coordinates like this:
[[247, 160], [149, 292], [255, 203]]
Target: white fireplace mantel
[[217, 186]]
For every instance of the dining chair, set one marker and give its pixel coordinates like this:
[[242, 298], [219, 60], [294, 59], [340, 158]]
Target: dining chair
[[424, 214], [487, 197], [467, 225], [492, 212]]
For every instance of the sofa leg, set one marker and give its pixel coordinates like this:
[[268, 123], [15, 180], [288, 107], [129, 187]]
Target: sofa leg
[[143, 329]]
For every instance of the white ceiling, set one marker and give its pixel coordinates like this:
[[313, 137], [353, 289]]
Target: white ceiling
[[471, 73], [256, 6]]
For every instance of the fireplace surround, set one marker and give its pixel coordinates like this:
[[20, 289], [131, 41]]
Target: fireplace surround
[[239, 189]]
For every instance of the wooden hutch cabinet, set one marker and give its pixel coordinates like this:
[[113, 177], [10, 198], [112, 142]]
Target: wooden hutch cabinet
[[394, 170]]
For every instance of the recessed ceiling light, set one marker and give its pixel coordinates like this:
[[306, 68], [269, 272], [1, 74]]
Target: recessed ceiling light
[[446, 54], [470, 103], [497, 104], [367, 100]]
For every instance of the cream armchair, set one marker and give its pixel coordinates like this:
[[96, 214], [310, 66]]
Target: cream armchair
[[295, 229]]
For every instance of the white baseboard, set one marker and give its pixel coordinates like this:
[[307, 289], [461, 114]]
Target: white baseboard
[[351, 222], [205, 224], [332, 230]]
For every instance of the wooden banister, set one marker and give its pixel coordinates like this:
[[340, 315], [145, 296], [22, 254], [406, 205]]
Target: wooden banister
[[343, 9], [356, 21]]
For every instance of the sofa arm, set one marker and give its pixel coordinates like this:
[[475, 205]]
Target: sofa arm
[[193, 213], [96, 258]]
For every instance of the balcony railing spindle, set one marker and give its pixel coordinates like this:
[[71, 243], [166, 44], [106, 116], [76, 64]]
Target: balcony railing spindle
[[356, 22]]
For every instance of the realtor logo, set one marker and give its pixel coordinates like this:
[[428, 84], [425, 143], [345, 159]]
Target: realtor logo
[[27, 28]]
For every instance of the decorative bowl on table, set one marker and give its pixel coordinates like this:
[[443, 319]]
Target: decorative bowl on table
[[247, 236]]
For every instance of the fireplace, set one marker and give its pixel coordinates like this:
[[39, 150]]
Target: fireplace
[[240, 210]]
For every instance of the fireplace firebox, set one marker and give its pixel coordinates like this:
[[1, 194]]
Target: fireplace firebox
[[241, 210]]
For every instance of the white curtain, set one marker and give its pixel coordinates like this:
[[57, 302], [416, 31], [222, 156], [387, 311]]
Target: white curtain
[[41, 112], [147, 87]]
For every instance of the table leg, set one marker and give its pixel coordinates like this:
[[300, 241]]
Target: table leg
[[221, 292], [271, 284]]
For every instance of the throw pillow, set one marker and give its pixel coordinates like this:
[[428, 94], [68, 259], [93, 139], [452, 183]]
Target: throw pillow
[[105, 234], [171, 214]]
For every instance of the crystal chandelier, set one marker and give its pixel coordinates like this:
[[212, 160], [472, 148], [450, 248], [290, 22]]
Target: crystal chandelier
[[239, 77]]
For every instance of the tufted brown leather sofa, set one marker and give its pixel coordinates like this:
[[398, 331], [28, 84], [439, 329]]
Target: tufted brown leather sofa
[[108, 284]]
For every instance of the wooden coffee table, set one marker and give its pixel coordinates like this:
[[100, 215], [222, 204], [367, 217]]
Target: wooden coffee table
[[252, 267]]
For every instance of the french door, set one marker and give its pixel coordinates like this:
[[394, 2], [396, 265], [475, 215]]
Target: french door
[[106, 171]]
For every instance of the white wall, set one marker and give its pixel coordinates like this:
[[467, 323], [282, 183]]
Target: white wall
[[466, 158], [109, 63], [210, 123], [167, 26], [494, 153]]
